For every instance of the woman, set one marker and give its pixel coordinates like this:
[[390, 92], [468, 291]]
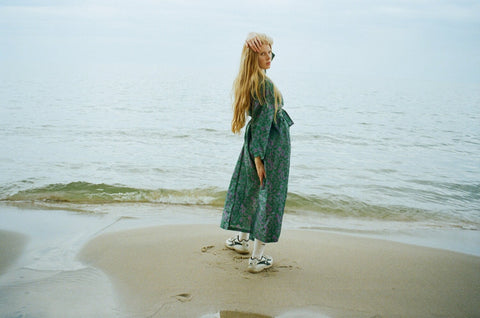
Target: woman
[[258, 189]]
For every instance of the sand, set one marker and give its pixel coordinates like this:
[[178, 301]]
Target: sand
[[11, 247], [185, 271]]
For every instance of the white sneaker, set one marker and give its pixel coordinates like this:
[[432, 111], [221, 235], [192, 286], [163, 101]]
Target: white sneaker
[[239, 246], [256, 265]]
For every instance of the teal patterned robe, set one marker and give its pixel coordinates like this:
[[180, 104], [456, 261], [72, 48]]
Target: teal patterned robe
[[248, 207]]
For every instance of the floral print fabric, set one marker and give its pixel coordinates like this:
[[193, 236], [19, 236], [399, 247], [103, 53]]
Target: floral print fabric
[[249, 207]]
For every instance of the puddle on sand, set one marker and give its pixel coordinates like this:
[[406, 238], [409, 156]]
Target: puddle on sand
[[290, 314], [235, 314]]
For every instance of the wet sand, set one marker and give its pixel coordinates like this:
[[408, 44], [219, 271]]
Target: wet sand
[[185, 271], [11, 247]]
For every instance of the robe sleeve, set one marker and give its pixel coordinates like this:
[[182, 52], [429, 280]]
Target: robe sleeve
[[262, 121]]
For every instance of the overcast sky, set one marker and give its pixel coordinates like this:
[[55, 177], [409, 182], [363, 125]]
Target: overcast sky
[[428, 39]]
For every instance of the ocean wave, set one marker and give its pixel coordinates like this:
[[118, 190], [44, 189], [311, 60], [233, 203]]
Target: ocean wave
[[80, 193], [90, 193]]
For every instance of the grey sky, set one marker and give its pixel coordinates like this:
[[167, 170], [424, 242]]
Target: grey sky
[[429, 39]]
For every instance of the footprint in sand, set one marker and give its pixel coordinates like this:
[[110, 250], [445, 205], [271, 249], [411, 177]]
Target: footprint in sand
[[184, 297], [241, 257], [206, 248]]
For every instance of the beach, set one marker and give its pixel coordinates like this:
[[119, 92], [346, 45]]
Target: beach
[[72, 264], [185, 271]]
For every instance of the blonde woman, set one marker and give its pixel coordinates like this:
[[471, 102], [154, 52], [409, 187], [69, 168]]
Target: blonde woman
[[256, 196]]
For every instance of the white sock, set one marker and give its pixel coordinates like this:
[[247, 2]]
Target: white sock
[[258, 248], [243, 236]]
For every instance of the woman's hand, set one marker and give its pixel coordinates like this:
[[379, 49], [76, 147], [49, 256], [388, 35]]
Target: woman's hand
[[260, 170], [253, 42]]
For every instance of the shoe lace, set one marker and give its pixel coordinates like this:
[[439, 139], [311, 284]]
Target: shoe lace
[[260, 260], [237, 239]]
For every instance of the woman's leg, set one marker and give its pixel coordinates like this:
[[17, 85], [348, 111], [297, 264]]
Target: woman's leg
[[258, 249], [242, 236]]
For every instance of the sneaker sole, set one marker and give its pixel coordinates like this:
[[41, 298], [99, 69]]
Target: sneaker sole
[[254, 270]]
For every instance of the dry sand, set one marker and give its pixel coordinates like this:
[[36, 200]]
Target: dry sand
[[185, 271]]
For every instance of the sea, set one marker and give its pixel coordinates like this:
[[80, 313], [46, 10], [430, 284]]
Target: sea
[[389, 150], [104, 149]]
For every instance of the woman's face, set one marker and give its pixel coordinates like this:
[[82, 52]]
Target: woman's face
[[265, 57]]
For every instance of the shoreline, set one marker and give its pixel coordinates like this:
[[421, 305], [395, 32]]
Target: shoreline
[[184, 270], [134, 215]]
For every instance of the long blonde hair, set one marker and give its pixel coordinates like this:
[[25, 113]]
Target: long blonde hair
[[250, 83]]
